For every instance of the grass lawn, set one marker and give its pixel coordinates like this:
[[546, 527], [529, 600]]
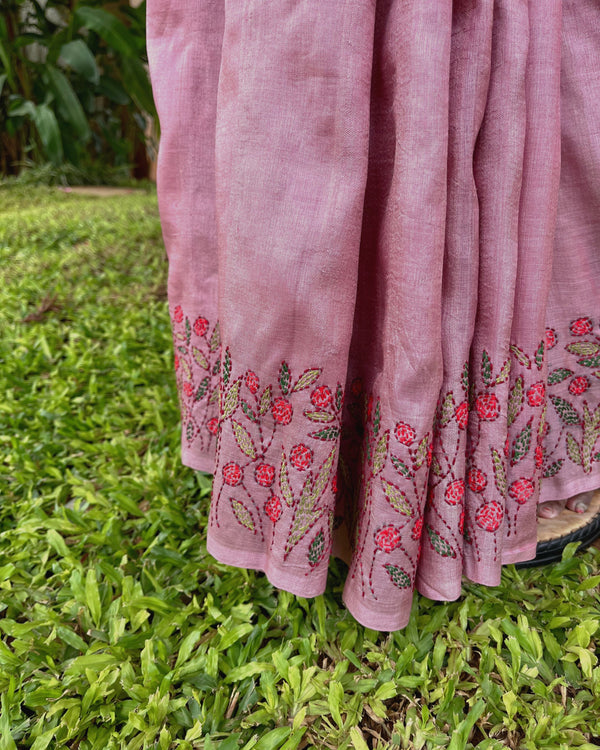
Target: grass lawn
[[118, 630]]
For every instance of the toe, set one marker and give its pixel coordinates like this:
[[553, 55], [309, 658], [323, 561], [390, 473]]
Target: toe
[[580, 503], [550, 509]]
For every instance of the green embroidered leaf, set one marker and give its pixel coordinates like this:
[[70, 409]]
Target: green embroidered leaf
[[447, 409], [399, 577], [499, 472], [566, 411], [248, 411], [339, 397], [214, 396], [583, 348], [377, 419], [486, 368], [553, 468], [284, 482], [396, 498], [329, 433], [435, 467], [265, 401], [590, 361], [180, 337], [216, 367], [182, 349], [421, 453], [539, 355], [319, 416], [504, 373], [202, 389], [521, 444], [200, 358], [188, 331], [316, 549], [242, 514], [515, 400], [520, 356], [230, 400], [243, 439], [557, 376], [284, 378], [189, 431], [465, 379], [305, 516], [439, 544], [401, 467], [596, 374], [215, 339], [322, 479], [573, 451], [306, 379], [597, 457], [381, 451], [226, 367], [543, 420]]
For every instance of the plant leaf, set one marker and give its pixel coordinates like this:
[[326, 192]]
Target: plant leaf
[[77, 56]]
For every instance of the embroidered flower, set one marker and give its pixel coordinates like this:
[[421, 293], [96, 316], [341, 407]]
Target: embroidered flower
[[539, 456], [213, 425], [178, 314], [404, 433], [487, 406], [387, 538], [282, 411], [321, 397], [536, 394], [461, 522], [455, 492], [232, 474], [188, 389], [264, 474], [301, 457], [334, 485], [429, 457], [521, 490], [579, 385], [273, 508], [581, 327], [200, 326], [462, 414], [506, 447], [252, 381], [176, 363], [550, 338], [477, 480], [417, 529], [489, 516]]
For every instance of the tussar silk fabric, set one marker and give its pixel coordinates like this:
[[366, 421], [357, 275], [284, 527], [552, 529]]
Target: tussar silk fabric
[[382, 220]]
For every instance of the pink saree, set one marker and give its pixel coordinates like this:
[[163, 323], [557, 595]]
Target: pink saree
[[382, 219]]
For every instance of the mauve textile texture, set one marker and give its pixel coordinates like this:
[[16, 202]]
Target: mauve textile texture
[[382, 219]]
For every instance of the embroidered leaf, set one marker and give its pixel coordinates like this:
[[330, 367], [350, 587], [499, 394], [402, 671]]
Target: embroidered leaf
[[202, 389], [465, 379], [316, 549], [515, 400], [521, 444], [396, 498], [381, 451], [247, 409], [306, 379], [265, 401], [230, 401], [439, 544], [377, 418], [539, 355], [557, 376], [399, 577], [319, 416], [215, 339], [590, 361], [583, 348], [188, 331], [499, 472], [284, 483], [520, 356], [573, 451], [182, 349], [329, 433], [435, 467], [200, 358], [486, 368], [180, 337], [322, 479], [421, 453], [400, 467], [504, 373], [447, 409], [243, 439], [304, 518], [566, 411], [339, 397], [217, 367], [543, 420], [553, 468], [284, 378], [241, 513], [226, 367], [186, 369], [214, 396], [189, 431]]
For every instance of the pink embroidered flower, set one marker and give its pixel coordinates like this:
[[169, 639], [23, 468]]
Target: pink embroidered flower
[[213, 425], [462, 414], [521, 490], [579, 385], [252, 381], [200, 326], [550, 338], [178, 314], [264, 474], [477, 480], [539, 456], [417, 529], [387, 538], [188, 389], [321, 397], [404, 433], [356, 387], [489, 516], [455, 492], [273, 508], [536, 394], [176, 363], [487, 406], [429, 457], [301, 457], [581, 327], [232, 474], [282, 411]]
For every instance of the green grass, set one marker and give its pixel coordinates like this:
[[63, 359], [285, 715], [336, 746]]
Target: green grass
[[118, 630]]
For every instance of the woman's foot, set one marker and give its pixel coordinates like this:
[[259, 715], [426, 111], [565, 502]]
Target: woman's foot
[[577, 503]]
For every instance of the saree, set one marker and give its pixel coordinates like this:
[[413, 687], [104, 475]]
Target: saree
[[382, 222]]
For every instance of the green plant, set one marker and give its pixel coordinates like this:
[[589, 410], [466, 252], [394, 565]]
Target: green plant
[[73, 84]]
